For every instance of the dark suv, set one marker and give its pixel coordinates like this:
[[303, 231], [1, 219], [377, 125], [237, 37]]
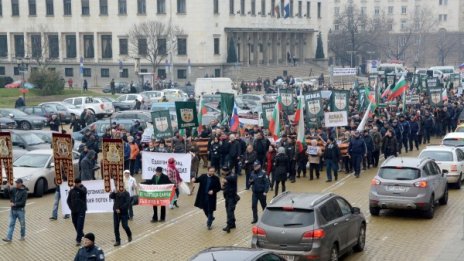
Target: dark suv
[[310, 226]]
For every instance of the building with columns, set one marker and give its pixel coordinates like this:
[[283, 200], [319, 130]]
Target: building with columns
[[96, 33]]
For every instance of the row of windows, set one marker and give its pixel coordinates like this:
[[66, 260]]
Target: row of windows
[[363, 10], [85, 7], [276, 8], [50, 47]]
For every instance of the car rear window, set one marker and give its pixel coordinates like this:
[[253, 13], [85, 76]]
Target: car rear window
[[399, 173], [459, 129], [437, 155], [456, 142], [278, 217]]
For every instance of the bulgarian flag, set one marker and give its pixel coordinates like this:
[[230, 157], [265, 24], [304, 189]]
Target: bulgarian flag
[[386, 92], [400, 87], [274, 124], [444, 95], [203, 111], [300, 138]]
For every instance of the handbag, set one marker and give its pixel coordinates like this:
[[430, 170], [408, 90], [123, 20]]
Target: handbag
[[184, 188], [135, 200]]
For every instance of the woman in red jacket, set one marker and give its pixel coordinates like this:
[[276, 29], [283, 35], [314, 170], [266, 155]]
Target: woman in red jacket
[[269, 159]]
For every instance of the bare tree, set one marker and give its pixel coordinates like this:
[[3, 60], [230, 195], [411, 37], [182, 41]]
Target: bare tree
[[445, 43], [38, 45], [153, 41], [423, 22]]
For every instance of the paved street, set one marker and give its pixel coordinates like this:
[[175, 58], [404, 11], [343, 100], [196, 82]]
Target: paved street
[[394, 235]]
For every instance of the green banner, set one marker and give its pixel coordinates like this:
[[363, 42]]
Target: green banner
[[186, 114], [162, 127], [156, 195], [266, 113], [362, 100], [435, 96], [314, 108], [288, 102], [339, 101], [431, 83], [227, 105]]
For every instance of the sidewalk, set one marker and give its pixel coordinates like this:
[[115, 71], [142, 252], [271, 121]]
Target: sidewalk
[[454, 248]]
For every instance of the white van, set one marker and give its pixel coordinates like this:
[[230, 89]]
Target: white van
[[435, 73], [446, 70], [213, 85], [390, 69]]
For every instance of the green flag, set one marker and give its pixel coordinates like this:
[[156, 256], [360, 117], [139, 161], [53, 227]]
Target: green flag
[[267, 109], [186, 114], [227, 105], [339, 100], [162, 127], [314, 105], [288, 103]]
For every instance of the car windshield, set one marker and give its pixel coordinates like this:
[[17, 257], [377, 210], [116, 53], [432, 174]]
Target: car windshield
[[278, 217], [455, 142], [32, 161], [153, 94], [437, 155], [399, 173], [31, 139]]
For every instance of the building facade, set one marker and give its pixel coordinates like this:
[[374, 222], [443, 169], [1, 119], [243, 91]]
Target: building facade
[[90, 39]]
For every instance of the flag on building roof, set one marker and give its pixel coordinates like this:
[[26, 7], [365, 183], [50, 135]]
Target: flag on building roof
[[300, 138], [203, 111], [234, 123], [274, 124], [286, 8], [444, 95], [400, 87]]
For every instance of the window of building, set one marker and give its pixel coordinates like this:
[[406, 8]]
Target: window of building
[[88, 47], [217, 46], [300, 9], [217, 72], [143, 70], [319, 7], [68, 72], [253, 7], [3, 46], [404, 9], [67, 7], [291, 8], [442, 18], [122, 7], [363, 10], [216, 6], [231, 7], [161, 46], [242, 7], [32, 7], [87, 72], [161, 6], [181, 74], [15, 7], [181, 46], [70, 46], [1, 8], [337, 11], [123, 47], [85, 7], [141, 7], [142, 46], [36, 46], [2, 70], [50, 10], [16, 70], [308, 9], [105, 72], [390, 10], [106, 47], [19, 45], [124, 73], [103, 7], [162, 73], [53, 46], [263, 7], [403, 25], [376, 10], [443, 2], [390, 26], [181, 7]]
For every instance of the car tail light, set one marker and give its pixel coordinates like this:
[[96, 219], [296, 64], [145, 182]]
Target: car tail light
[[375, 182], [454, 168], [421, 184], [257, 231], [314, 234], [102, 106], [288, 208]]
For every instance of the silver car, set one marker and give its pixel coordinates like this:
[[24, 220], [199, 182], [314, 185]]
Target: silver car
[[408, 183]]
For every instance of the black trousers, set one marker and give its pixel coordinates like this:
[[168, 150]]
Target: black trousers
[[277, 186], [78, 219], [155, 213], [312, 167], [254, 203], [121, 218], [292, 170], [216, 163], [413, 140], [375, 158], [230, 210]]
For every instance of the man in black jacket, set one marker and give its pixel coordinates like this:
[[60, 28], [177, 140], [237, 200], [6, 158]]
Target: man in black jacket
[[77, 202], [261, 146], [158, 179], [235, 151], [18, 197], [206, 199], [120, 214], [229, 186], [260, 187]]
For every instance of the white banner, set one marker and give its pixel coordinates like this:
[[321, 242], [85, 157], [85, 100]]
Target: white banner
[[344, 71], [98, 201], [335, 119], [151, 160]]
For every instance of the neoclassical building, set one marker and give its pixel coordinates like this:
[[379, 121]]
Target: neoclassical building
[[94, 35]]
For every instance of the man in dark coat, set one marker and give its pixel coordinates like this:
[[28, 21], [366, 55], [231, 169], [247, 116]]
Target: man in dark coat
[[428, 127], [389, 144], [206, 198], [121, 202], [18, 197], [414, 134], [77, 202], [20, 102], [260, 187], [235, 151], [332, 156], [261, 146], [290, 151], [406, 132], [87, 166], [229, 186], [377, 140], [158, 179], [54, 123], [357, 150], [398, 132], [367, 160]]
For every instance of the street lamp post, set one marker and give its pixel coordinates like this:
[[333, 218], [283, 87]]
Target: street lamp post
[[23, 65], [351, 57]]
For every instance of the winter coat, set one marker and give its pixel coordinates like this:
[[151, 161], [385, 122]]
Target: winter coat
[[230, 187], [261, 146], [162, 180], [259, 182], [90, 253], [315, 159], [134, 150], [121, 201], [290, 151], [269, 161], [203, 199], [249, 159], [377, 141], [414, 128], [357, 146], [332, 152], [214, 151], [281, 167], [16, 196], [87, 166], [389, 146], [369, 143], [406, 129], [235, 150], [77, 199]]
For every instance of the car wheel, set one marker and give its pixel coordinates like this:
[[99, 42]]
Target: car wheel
[[444, 199], [334, 253], [375, 211], [458, 183], [40, 188], [361, 239], [25, 125], [429, 212]]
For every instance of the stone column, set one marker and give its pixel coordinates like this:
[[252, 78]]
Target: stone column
[[273, 39], [301, 47], [266, 48], [27, 50], [283, 47], [96, 49], [255, 49], [78, 47], [245, 49]]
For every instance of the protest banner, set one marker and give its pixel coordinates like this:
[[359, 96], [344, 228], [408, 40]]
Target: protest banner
[[161, 124], [288, 103], [151, 160], [340, 100], [335, 119], [112, 163], [314, 106], [98, 200], [344, 71], [186, 114], [6, 157], [63, 157], [267, 109], [156, 195]]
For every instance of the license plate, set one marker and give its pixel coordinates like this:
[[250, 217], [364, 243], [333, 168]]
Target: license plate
[[396, 189], [289, 258]]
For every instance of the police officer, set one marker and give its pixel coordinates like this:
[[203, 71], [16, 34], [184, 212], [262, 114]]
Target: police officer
[[229, 187], [357, 150], [260, 187], [89, 251]]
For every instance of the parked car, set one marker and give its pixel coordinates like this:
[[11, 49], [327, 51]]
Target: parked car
[[44, 135], [36, 169], [27, 140], [173, 95], [101, 126], [252, 97], [127, 101], [234, 254], [188, 89], [23, 120], [144, 116], [65, 109], [448, 158], [154, 96], [7, 123], [119, 87], [408, 183], [4, 80], [98, 107], [301, 225], [454, 139], [46, 112]]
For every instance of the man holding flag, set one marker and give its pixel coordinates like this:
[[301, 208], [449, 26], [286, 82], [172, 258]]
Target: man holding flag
[[274, 124], [301, 157]]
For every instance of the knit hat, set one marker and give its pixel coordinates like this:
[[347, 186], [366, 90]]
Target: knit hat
[[90, 236]]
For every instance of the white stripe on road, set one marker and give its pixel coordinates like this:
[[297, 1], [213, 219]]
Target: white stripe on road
[[8, 208]]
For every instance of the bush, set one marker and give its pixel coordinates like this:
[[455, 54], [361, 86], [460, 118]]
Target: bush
[[47, 82]]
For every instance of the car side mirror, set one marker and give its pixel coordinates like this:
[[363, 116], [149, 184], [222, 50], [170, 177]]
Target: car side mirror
[[444, 172], [355, 210], [11, 115], [52, 165]]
